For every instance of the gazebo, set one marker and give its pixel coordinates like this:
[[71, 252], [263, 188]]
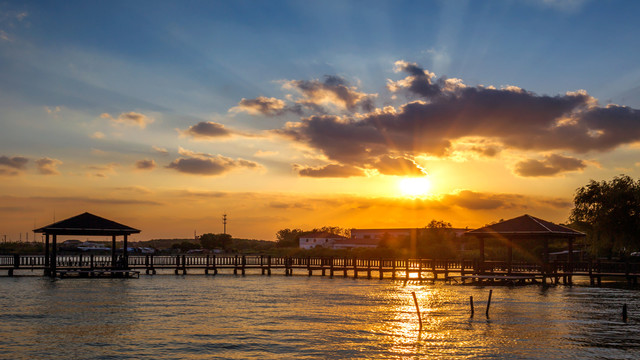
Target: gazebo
[[85, 224], [525, 227]]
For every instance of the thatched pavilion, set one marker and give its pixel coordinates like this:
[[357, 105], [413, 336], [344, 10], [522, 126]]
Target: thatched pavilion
[[525, 227], [85, 224]]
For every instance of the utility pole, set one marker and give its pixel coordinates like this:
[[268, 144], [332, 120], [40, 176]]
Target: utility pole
[[224, 223]]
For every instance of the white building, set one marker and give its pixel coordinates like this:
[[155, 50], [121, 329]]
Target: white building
[[319, 239]]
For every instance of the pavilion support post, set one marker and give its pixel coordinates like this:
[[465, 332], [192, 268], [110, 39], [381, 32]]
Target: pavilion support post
[[545, 256], [570, 261], [113, 252], [125, 253], [52, 261], [46, 255]]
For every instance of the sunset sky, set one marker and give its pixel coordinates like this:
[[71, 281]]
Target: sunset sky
[[299, 114]]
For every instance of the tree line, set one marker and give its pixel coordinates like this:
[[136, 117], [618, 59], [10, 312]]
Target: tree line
[[609, 213]]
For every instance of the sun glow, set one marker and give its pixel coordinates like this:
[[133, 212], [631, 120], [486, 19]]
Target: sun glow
[[415, 186]]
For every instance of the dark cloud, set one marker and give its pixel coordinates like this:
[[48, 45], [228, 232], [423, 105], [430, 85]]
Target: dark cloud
[[387, 165], [331, 170], [287, 205], [16, 162], [551, 165], [479, 201], [488, 151], [447, 110], [418, 82], [207, 164], [207, 129], [8, 172], [145, 164], [47, 166]]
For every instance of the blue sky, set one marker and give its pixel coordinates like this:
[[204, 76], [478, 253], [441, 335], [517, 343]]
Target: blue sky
[[97, 87]]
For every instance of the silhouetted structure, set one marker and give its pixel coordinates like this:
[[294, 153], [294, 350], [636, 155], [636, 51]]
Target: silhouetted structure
[[85, 224], [525, 227]]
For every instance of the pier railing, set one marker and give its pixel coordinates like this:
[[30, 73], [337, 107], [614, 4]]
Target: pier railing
[[353, 265]]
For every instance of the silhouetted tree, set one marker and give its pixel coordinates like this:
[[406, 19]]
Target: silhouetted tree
[[334, 230], [215, 241], [185, 246], [609, 212], [437, 240], [288, 237]]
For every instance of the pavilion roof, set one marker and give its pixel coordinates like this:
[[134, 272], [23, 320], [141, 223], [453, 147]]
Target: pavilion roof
[[87, 224], [524, 226]]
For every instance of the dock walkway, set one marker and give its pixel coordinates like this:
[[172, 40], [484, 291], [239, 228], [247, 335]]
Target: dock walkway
[[407, 269]]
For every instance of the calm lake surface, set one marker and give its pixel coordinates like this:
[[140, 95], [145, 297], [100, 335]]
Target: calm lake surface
[[299, 317]]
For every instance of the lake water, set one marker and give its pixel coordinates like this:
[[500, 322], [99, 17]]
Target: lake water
[[299, 317]]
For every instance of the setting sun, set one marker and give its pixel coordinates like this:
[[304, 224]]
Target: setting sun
[[415, 186]]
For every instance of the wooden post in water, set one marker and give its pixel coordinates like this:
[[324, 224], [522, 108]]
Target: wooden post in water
[[415, 301], [489, 302], [471, 304], [624, 312]]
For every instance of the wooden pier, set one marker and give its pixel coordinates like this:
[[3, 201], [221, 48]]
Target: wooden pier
[[402, 269]]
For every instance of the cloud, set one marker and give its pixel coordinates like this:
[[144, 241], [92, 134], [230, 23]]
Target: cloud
[[160, 150], [288, 205], [145, 164], [480, 201], [102, 170], [207, 164], [265, 153], [261, 106], [16, 162], [47, 166], [329, 171], [53, 110], [440, 112], [388, 165], [11, 19], [569, 6], [207, 130], [130, 119], [333, 91], [488, 151], [551, 165], [97, 135]]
